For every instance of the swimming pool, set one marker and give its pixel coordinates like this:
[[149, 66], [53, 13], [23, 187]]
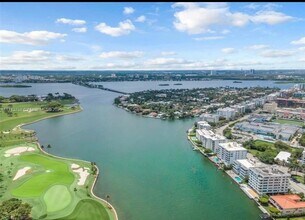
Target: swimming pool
[[238, 179]]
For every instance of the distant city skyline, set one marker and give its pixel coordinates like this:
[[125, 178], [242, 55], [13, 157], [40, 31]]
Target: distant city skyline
[[152, 36]]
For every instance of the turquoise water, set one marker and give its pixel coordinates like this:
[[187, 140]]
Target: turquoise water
[[238, 179], [147, 165]]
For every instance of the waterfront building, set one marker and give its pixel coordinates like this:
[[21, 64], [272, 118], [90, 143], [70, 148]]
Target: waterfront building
[[268, 180], [241, 167], [209, 139], [210, 118], [231, 151], [283, 156], [270, 107], [227, 113], [203, 125], [288, 204]]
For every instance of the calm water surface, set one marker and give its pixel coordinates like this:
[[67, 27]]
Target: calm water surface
[[147, 165]]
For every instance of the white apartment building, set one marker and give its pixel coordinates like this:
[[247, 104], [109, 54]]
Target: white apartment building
[[209, 139], [231, 151], [210, 118], [268, 180], [241, 167], [203, 125], [239, 108], [227, 113]]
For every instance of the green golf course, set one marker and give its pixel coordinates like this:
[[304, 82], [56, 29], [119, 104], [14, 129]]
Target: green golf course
[[51, 185]]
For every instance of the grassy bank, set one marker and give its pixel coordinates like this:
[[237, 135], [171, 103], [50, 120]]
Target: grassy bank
[[57, 188]]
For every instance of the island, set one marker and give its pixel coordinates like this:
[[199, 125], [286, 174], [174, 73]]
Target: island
[[186, 103], [33, 181]]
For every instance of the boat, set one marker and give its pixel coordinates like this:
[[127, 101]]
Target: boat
[[177, 84], [164, 84], [237, 82]]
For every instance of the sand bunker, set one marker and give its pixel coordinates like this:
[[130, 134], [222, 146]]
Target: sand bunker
[[83, 173], [21, 172], [17, 151], [74, 166]]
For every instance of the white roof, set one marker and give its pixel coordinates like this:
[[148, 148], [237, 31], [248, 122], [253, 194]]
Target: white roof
[[246, 163], [232, 146], [283, 155]]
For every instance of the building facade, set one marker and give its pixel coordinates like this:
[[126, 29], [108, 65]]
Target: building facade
[[230, 152], [268, 180]]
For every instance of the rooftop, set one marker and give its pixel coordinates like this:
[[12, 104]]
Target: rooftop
[[288, 201], [283, 155], [269, 171], [232, 146], [246, 163]]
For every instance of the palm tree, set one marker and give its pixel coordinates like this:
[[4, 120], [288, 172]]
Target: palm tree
[[75, 189]]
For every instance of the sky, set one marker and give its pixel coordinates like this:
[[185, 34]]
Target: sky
[[152, 36]]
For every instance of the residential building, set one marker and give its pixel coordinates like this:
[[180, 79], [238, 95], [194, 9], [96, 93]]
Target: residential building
[[268, 180], [270, 107], [291, 113], [231, 151], [227, 113], [288, 204], [241, 167], [239, 108], [203, 125], [210, 118], [209, 139]]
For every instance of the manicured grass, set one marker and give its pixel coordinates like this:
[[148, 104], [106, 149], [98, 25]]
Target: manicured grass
[[259, 142], [88, 209], [40, 182], [24, 116], [291, 122], [57, 198]]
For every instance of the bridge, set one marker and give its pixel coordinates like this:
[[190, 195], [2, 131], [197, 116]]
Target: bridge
[[88, 85]]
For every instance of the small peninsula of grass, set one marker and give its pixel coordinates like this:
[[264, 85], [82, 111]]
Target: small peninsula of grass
[[54, 187]]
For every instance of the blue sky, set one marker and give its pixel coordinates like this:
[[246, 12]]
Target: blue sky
[[103, 36]]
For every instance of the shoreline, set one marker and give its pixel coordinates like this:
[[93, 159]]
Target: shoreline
[[241, 186], [63, 158]]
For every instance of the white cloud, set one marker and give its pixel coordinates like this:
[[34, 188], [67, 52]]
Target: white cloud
[[128, 10], [302, 59], [270, 17], [301, 41], [258, 46], [26, 57], [225, 31], [165, 61], [141, 19], [277, 53], [301, 48], [80, 30], [65, 58], [168, 53], [196, 18], [31, 38], [122, 54], [124, 28], [209, 38], [70, 21], [228, 50]]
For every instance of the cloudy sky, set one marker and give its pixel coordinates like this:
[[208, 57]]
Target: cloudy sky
[[135, 36]]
